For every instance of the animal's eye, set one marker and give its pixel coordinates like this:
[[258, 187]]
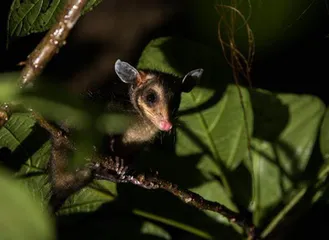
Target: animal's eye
[[151, 98]]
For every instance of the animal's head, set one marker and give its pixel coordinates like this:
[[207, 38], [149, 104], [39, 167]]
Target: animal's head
[[156, 95]]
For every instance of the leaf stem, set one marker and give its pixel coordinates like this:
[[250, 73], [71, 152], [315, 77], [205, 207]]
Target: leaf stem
[[283, 212], [173, 223]]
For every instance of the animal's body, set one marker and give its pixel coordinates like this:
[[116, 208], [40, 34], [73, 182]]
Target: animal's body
[[154, 98]]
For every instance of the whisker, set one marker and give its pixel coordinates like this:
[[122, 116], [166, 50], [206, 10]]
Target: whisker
[[179, 124], [174, 109]]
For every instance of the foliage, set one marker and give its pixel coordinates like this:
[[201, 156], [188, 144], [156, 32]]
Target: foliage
[[283, 167], [34, 16], [22, 217]]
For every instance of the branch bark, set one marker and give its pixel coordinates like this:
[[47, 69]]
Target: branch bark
[[52, 42], [106, 168]]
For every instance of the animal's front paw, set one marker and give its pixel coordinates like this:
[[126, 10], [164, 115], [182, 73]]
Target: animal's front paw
[[111, 168]]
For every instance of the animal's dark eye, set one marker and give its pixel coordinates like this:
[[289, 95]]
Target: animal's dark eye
[[151, 98]]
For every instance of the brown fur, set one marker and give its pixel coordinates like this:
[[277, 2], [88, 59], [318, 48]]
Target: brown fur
[[143, 78], [64, 182]]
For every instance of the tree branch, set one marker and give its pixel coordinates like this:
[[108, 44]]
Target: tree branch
[[107, 168], [113, 169], [52, 42]]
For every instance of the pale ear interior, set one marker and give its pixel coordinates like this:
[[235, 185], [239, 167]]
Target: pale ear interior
[[126, 72], [190, 79]]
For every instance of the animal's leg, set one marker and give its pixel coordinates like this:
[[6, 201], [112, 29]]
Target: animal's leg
[[63, 182]]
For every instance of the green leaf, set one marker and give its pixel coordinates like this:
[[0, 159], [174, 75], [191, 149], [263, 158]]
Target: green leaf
[[214, 191], [177, 56], [21, 216], [217, 134], [8, 87], [33, 16], [324, 137], [90, 198], [30, 152], [220, 129], [286, 128], [19, 126], [149, 228], [161, 55], [324, 170]]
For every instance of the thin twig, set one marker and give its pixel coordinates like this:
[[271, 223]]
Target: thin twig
[[55, 132], [52, 42], [152, 181], [239, 63]]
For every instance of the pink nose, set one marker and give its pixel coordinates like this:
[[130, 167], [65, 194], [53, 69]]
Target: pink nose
[[165, 126]]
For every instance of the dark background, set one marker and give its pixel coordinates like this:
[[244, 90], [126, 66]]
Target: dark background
[[292, 59]]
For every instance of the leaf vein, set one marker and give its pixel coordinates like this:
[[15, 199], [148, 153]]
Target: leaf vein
[[52, 13], [17, 141], [21, 19], [220, 114]]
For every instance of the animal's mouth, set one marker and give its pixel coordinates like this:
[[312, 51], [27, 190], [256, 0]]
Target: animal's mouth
[[165, 125]]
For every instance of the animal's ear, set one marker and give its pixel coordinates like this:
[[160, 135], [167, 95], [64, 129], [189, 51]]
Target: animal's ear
[[126, 72], [190, 79]]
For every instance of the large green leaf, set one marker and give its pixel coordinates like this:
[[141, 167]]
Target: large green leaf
[[21, 216], [214, 191], [220, 129], [322, 184], [33, 16], [286, 128], [218, 135], [177, 56], [324, 137]]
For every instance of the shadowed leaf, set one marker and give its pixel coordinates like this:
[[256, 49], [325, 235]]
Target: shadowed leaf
[[21, 216]]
